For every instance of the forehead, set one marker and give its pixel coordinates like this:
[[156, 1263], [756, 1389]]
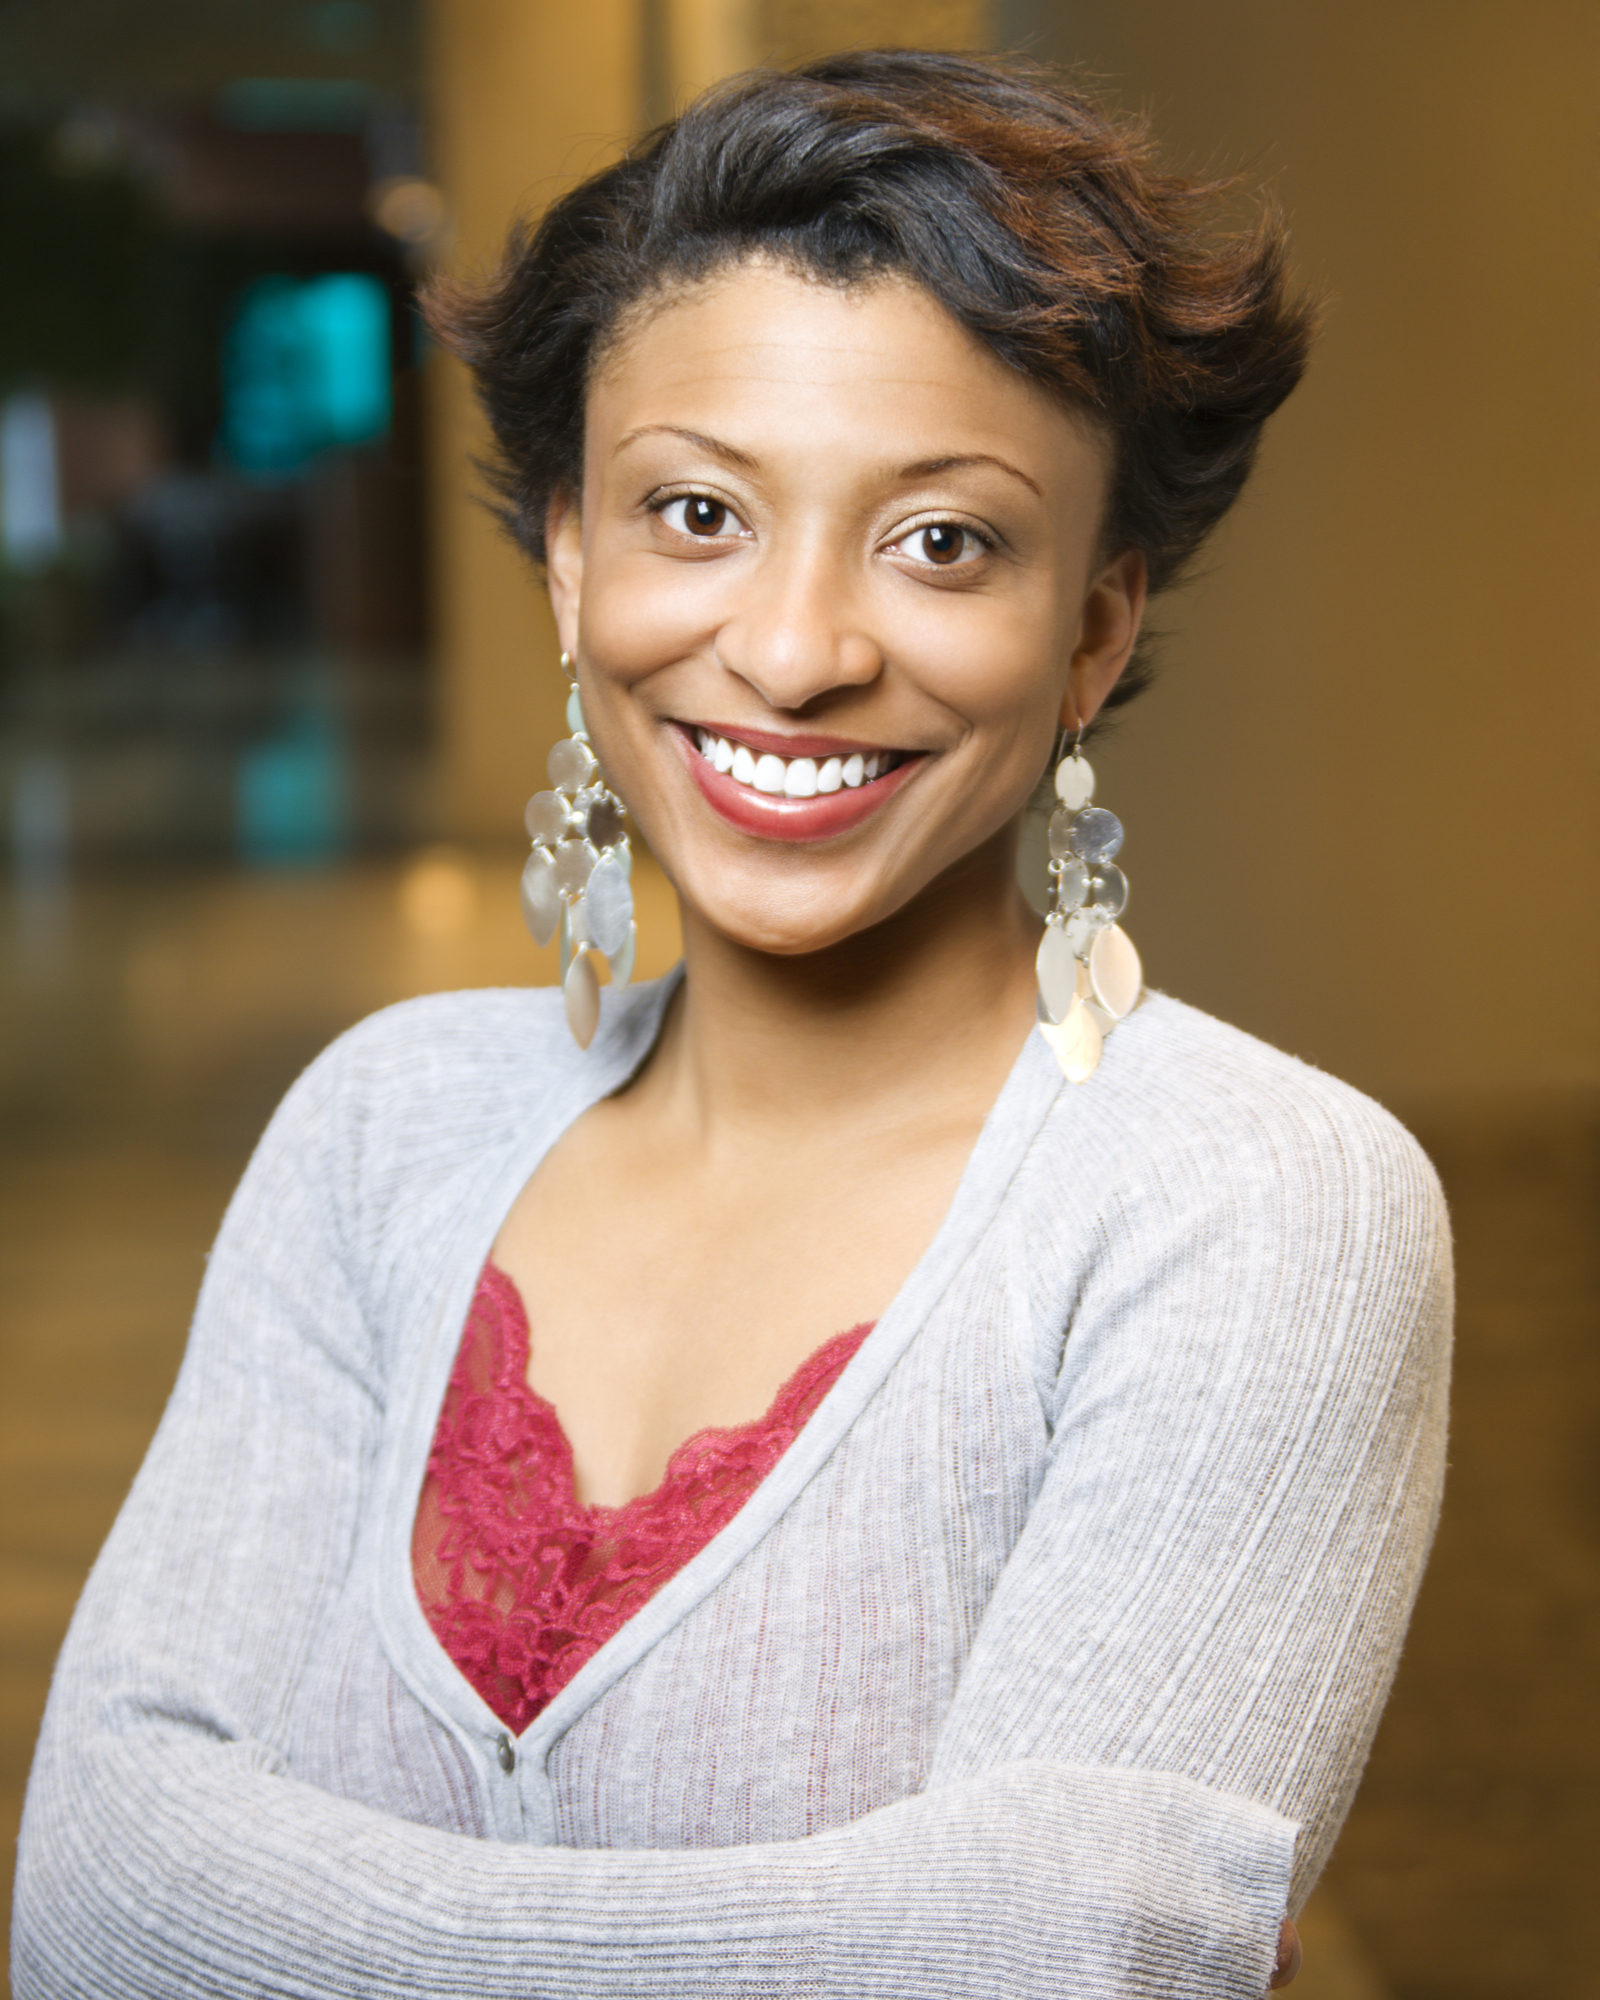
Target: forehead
[[802, 361]]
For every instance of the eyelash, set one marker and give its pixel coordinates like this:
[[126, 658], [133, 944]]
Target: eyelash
[[660, 503], [986, 543]]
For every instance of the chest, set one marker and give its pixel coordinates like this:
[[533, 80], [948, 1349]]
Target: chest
[[670, 1292], [798, 1683]]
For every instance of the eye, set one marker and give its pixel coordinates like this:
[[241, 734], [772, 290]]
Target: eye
[[698, 514], [943, 544]]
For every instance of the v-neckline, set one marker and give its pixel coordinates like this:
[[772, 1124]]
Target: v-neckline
[[626, 1037], [600, 1515]]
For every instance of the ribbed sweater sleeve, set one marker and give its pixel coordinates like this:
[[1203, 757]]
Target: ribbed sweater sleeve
[[1115, 1802], [1247, 1451]]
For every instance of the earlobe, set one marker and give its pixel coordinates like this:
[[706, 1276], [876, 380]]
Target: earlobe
[[563, 543]]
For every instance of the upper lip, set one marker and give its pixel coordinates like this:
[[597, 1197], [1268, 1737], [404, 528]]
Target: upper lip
[[769, 741]]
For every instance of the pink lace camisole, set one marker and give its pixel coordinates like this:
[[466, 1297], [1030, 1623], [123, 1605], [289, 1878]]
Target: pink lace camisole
[[520, 1580]]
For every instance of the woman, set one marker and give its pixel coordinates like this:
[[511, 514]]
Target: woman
[[1031, 1641]]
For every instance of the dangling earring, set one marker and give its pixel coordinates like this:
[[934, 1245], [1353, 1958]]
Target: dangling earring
[[577, 875], [1089, 972]]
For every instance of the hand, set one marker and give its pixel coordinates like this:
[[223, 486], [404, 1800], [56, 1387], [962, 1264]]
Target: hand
[[1288, 1956]]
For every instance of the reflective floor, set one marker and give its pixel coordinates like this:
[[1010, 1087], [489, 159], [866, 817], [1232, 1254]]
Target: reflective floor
[[147, 1026]]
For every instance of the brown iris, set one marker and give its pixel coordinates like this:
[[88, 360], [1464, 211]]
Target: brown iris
[[704, 517], [943, 542]]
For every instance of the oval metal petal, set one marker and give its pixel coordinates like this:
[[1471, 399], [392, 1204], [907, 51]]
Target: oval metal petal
[[620, 961], [1096, 834], [581, 991], [574, 864], [571, 765], [1072, 886], [1115, 972], [1075, 1044], [1074, 782], [573, 933], [610, 905], [546, 817], [1058, 972], [1083, 927], [605, 821], [1110, 888], [541, 898]]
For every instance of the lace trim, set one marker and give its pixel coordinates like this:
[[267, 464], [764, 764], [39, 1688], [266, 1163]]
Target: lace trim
[[520, 1581]]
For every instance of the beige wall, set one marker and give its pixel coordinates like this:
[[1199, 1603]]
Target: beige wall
[[1362, 808]]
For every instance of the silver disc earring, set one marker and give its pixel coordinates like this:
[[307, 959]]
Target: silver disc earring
[[1089, 973], [576, 878]]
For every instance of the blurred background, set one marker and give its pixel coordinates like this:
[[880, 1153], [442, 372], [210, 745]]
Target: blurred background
[[272, 693]]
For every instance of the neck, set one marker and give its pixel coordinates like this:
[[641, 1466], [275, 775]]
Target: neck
[[944, 989]]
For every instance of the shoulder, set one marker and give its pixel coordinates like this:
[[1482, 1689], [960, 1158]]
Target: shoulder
[[393, 1147], [477, 1041], [1183, 1101], [1199, 1162], [453, 1074]]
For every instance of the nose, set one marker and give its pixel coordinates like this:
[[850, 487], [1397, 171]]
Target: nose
[[798, 630]]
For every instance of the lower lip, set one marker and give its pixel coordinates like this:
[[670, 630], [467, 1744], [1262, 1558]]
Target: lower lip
[[791, 819]]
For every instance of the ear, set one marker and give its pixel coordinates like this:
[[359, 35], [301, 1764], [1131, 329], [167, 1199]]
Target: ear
[[1113, 610], [563, 557]]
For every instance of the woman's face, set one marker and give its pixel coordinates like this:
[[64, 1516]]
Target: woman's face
[[827, 533]]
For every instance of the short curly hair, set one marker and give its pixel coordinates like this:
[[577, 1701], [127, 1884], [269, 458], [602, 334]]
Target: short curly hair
[[1040, 220]]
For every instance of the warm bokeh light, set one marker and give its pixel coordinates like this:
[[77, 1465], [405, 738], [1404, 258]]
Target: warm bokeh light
[[438, 895], [411, 210]]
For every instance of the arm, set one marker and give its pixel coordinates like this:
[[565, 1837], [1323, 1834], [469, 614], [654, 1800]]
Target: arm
[[1247, 1455], [166, 1853]]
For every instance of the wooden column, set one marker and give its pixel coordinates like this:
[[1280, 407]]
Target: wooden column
[[525, 97]]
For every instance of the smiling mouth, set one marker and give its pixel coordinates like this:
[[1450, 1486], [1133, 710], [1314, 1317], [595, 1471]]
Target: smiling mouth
[[808, 777], [792, 787]]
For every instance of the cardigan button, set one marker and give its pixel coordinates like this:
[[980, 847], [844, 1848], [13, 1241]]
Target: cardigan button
[[508, 1754]]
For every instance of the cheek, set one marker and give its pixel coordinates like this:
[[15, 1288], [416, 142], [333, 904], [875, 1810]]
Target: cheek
[[999, 664], [641, 612]]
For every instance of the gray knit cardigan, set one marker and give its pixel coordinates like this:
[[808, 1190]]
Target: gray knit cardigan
[[1043, 1664]]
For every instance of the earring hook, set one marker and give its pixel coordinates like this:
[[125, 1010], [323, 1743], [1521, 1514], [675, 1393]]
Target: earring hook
[[1077, 742]]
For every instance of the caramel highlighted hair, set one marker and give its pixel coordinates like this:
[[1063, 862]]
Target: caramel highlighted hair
[[1038, 218]]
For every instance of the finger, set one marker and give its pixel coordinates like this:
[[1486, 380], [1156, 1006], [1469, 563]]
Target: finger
[[1289, 1955]]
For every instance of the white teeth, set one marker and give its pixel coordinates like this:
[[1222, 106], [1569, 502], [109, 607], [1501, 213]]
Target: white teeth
[[798, 778]]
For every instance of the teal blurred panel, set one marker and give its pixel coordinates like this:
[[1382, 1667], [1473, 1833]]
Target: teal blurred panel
[[347, 322], [306, 368], [292, 796]]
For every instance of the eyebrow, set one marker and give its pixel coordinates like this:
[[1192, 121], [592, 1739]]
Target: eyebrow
[[728, 454], [741, 461], [930, 468]]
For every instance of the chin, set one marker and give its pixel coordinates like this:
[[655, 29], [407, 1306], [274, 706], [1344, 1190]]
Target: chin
[[784, 933], [769, 910]]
